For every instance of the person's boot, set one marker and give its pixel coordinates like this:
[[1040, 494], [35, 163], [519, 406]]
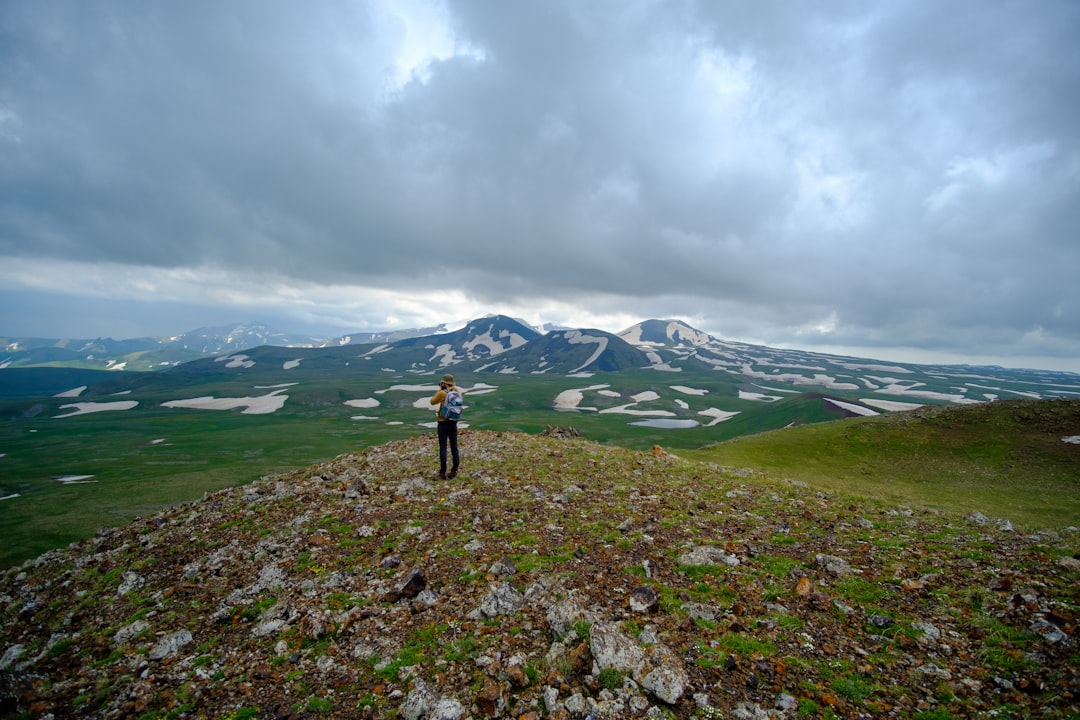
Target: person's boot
[[453, 474], [442, 475]]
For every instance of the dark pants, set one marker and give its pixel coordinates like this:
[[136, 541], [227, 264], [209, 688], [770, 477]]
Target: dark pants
[[448, 434]]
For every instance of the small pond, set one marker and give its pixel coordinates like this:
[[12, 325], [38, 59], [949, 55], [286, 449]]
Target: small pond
[[666, 423]]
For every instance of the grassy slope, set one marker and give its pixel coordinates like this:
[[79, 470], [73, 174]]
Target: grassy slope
[[1004, 459]]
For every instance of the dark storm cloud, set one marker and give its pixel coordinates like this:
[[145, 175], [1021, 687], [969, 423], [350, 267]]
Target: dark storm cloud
[[870, 174]]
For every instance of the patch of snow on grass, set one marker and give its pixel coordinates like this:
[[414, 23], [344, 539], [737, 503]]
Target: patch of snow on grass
[[876, 368], [74, 479], [688, 390], [665, 367], [890, 405], [494, 345], [818, 379], [363, 403], [74, 392], [90, 407], [633, 336], [760, 397], [641, 397], [680, 331], [683, 405], [235, 361], [1072, 439], [409, 388], [852, 407], [570, 399], [625, 410], [787, 391], [576, 337], [609, 393], [1033, 395], [290, 364], [718, 362], [260, 405], [897, 387], [718, 415], [444, 354]]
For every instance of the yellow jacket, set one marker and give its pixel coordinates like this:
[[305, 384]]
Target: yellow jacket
[[438, 399]]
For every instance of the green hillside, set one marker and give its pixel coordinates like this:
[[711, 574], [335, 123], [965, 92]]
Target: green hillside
[[1005, 459]]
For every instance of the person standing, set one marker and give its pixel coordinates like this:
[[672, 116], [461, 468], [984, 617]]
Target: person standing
[[447, 429]]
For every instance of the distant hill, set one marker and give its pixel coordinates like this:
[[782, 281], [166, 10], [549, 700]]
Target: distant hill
[[479, 340], [156, 353], [1016, 458]]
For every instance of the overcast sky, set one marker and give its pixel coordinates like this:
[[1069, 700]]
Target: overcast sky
[[895, 180]]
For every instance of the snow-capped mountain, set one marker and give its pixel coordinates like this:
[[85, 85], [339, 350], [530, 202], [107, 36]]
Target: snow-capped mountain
[[665, 332], [477, 340], [567, 352], [499, 344], [230, 338]]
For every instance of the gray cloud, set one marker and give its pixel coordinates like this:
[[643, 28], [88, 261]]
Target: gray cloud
[[877, 176]]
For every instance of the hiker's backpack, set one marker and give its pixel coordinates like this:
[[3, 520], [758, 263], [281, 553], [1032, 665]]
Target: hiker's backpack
[[453, 405]]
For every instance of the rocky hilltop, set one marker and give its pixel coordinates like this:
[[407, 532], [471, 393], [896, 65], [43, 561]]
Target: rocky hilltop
[[555, 578]]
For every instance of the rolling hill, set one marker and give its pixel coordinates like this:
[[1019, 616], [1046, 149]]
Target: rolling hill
[[556, 577]]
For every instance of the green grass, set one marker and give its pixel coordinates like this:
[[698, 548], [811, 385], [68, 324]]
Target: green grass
[[1005, 459], [133, 475]]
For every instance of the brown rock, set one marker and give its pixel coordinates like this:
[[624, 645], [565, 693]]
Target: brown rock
[[489, 701], [517, 677]]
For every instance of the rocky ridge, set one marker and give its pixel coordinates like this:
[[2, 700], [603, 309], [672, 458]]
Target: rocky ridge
[[553, 578]]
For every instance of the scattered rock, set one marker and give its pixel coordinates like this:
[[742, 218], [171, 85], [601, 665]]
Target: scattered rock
[[644, 600], [130, 582], [503, 599], [502, 568], [705, 555], [414, 583], [170, 644], [833, 565]]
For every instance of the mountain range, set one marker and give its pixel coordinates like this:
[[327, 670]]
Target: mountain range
[[501, 345]]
